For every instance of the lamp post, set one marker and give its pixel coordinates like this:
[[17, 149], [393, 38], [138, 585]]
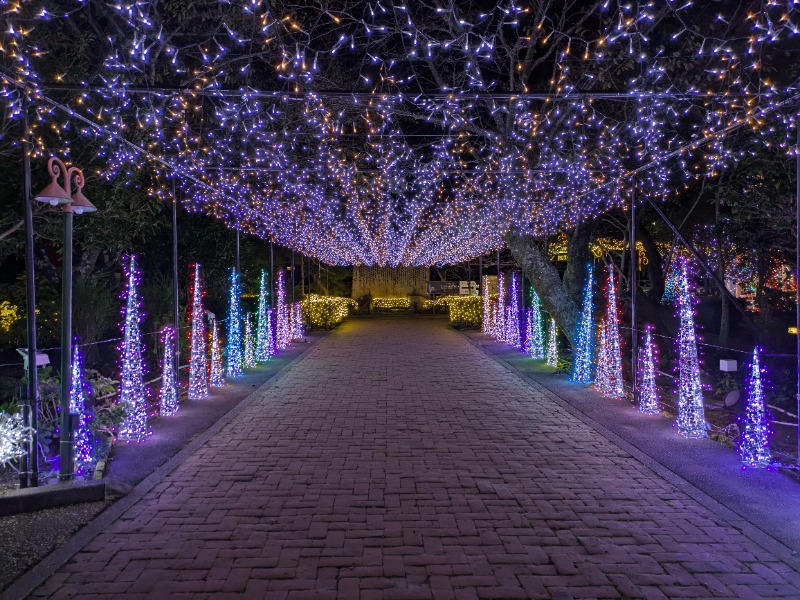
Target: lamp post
[[634, 286], [29, 464], [71, 203], [175, 319]]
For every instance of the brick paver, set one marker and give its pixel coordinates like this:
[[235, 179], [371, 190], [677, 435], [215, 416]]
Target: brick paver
[[398, 461]]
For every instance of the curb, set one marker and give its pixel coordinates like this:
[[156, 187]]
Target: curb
[[791, 473], [25, 500], [39, 573], [739, 522]]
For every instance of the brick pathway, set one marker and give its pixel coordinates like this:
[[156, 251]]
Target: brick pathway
[[398, 461]]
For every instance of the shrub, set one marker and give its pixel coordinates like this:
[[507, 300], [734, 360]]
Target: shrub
[[465, 311], [389, 304], [326, 312], [440, 304]]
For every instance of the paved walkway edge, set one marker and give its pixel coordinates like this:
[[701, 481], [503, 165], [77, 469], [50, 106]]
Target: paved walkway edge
[[736, 520], [37, 575]]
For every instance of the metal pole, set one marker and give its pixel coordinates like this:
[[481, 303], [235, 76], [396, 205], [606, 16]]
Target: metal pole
[[29, 475], [292, 276], [175, 311], [634, 285], [65, 434], [499, 291], [271, 276], [797, 276], [238, 266], [302, 276], [480, 275]]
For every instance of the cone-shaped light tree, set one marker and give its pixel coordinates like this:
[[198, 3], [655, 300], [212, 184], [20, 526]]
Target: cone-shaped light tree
[[168, 396], [603, 379], [691, 421], [611, 383], [299, 326], [264, 342], [234, 347], [526, 343], [217, 377], [582, 363], [648, 392], [83, 436], [132, 395], [249, 360], [552, 345], [512, 313], [282, 333], [486, 321], [537, 331], [198, 365], [754, 444], [500, 310]]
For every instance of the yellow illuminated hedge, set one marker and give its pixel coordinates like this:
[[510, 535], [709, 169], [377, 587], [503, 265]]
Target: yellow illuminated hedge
[[465, 311], [326, 312], [440, 302], [389, 303]]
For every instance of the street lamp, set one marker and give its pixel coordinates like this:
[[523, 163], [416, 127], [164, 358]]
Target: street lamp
[[71, 203], [54, 194], [80, 204]]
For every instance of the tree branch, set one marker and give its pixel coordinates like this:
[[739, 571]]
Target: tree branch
[[11, 230]]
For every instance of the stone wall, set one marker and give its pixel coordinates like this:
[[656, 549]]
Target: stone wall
[[390, 282]]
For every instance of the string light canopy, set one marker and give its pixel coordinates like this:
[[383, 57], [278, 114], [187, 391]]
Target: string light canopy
[[400, 133]]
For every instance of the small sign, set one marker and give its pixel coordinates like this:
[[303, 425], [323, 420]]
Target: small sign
[[468, 288], [462, 288], [440, 288], [793, 330], [727, 364], [41, 358]]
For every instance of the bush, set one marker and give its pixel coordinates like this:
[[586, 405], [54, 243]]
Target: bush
[[326, 312], [465, 311], [439, 305], [102, 401], [390, 304]]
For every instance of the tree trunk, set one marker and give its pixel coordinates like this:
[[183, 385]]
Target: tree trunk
[[724, 308], [559, 299], [12, 229], [578, 259]]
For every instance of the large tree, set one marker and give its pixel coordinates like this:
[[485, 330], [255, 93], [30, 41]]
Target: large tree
[[408, 132]]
